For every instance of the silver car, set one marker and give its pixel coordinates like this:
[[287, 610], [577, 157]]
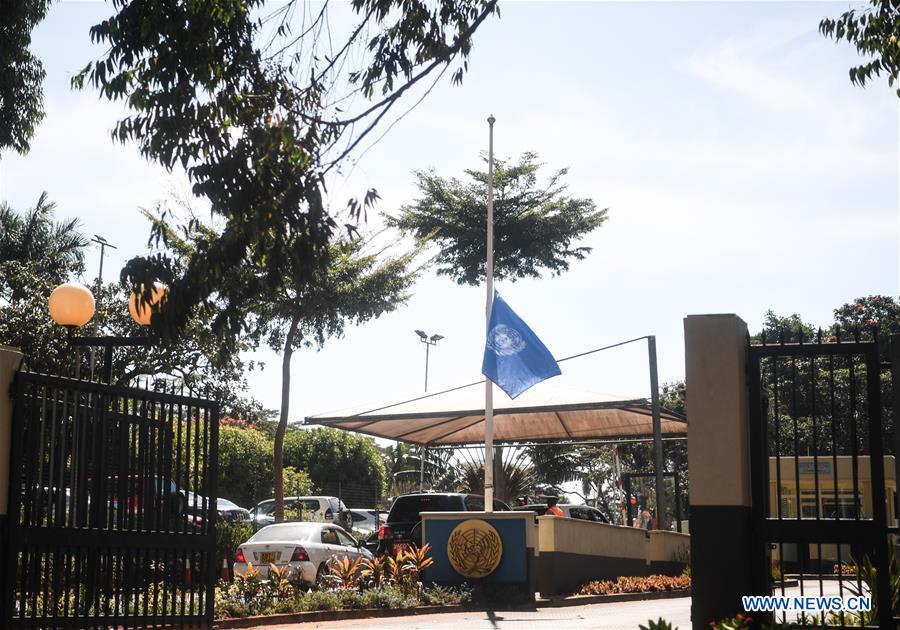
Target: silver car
[[306, 548]]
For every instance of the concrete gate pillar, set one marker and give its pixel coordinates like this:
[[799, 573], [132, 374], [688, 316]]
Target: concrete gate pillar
[[10, 360], [718, 465]]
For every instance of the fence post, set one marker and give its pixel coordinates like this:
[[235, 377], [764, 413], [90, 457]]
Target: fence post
[[718, 465]]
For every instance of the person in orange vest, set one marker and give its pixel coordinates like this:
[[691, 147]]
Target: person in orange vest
[[552, 508]]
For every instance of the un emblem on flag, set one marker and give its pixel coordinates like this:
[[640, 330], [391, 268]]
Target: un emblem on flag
[[505, 341]]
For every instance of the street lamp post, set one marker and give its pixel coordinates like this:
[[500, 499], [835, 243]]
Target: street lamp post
[[428, 341], [72, 305]]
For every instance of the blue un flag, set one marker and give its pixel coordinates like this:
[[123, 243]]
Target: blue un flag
[[514, 357]]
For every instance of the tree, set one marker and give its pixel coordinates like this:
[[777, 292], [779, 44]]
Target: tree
[[358, 285], [21, 74], [37, 253], [814, 402], [874, 31], [245, 465], [514, 474], [534, 225], [334, 458], [258, 114], [33, 243]]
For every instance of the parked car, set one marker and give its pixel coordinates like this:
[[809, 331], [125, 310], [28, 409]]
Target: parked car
[[328, 509], [227, 511], [365, 522], [403, 527], [306, 548], [583, 512], [147, 499]]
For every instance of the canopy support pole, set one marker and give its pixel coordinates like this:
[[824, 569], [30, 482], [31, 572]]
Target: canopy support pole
[[657, 435], [423, 453]]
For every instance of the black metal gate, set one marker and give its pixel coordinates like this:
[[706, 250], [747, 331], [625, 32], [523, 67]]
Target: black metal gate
[[111, 507], [820, 508]]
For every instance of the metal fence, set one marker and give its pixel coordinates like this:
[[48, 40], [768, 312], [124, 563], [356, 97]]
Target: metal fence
[[820, 504], [111, 507]]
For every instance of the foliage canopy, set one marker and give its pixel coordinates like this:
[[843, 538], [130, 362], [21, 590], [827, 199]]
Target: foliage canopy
[[258, 110], [21, 74], [875, 32], [535, 225]]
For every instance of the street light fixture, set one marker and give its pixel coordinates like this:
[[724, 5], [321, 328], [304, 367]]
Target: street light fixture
[[428, 341], [72, 305]]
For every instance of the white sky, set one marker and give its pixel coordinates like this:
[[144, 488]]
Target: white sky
[[741, 169]]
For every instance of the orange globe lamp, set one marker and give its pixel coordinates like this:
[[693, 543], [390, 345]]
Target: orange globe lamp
[[71, 305], [142, 311]]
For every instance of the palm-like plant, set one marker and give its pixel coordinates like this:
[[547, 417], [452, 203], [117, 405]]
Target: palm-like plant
[[35, 241], [344, 573], [374, 572], [417, 560], [394, 567], [514, 473]]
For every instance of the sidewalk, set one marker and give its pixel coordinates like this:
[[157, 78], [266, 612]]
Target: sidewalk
[[611, 616]]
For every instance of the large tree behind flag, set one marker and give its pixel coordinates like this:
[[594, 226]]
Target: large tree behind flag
[[514, 357]]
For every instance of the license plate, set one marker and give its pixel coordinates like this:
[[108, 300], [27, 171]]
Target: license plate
[[401, 546], [267, 557]]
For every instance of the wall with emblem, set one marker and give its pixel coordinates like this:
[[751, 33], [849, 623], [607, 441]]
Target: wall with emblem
[[496, 547]]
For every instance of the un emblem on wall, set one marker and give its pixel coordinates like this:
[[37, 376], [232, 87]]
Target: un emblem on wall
[[474, 548]]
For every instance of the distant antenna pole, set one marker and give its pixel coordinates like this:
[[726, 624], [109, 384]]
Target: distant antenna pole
[[103, 243]]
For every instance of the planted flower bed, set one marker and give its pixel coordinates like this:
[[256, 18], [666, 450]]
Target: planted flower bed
[[385, 582], [649, 584]]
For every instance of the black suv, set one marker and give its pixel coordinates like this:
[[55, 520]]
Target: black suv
[[403, 527]]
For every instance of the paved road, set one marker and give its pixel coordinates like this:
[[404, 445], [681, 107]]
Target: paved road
[[614, 616]]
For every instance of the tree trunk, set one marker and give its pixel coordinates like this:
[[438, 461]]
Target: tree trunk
[[278, 464]]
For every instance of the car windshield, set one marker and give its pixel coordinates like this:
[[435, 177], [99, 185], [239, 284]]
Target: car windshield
[[225, 504], [266, 507], [291, 531], [409, 508]]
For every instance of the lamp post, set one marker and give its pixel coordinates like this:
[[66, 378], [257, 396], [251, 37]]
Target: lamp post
[[72, 305], [428, 341]]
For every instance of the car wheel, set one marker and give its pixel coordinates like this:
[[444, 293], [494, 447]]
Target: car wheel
[[320, 576]]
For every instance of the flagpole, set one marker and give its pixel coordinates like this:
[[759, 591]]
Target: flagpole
[[488, 384]]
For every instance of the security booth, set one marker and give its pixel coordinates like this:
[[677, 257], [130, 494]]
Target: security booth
[[828, 487]]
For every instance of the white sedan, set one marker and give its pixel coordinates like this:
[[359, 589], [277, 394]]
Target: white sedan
[[305, 547]]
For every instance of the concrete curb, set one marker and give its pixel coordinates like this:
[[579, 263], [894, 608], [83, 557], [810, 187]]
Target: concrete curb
[[332, 615], [581, 600]]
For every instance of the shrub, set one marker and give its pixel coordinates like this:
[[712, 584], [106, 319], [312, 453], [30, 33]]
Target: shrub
[[659, 624], [843, 569], [446, 595], [230, 536], [636, 585], [738, 622]]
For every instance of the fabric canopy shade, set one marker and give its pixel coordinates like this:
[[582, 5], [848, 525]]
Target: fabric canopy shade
[[545, 412]]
